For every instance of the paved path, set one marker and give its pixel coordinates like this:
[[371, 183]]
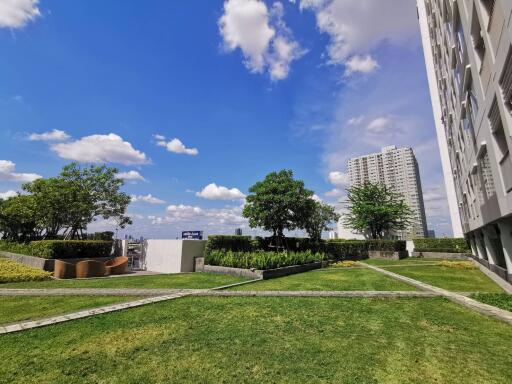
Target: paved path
[[369, 294], [92, 292], [485, 309]]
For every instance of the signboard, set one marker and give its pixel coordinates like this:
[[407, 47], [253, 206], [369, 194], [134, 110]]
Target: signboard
[[192, 235]]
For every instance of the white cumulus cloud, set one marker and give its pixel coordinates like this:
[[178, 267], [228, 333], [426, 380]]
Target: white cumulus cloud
[[338, 178], [175, 146], [53, 135], [7, 173], [109, 148], [150, 199], [363, 64], [7, 194], [378, 125], [355, 27], [131, 175], [261, 34], [217, 192], [17, 13]]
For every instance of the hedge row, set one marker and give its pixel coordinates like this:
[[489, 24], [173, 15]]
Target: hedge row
[[334, 249], [458, 245], [261, 260], [60, 249]]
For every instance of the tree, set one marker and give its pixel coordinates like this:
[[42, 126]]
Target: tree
[[277, 203], [18, 219], [375, 211], [319, 219]]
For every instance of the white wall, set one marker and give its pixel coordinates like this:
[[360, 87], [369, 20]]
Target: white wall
[[173, 256]]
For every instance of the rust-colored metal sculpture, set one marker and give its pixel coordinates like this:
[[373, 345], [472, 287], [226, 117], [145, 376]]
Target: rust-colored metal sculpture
[[64, 270], [117, 266], [90, 268]]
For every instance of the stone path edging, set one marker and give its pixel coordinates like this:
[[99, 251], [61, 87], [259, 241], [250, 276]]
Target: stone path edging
[[92, 291], [86, 313], [368, 294], [485, 309]]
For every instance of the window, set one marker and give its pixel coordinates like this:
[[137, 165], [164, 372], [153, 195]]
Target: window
[[488, 6], [484, 166], [478, 40], [506, 81], [500, 140]]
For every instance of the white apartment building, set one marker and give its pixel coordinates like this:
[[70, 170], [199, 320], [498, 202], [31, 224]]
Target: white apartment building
[[468, 55], [398, 170]]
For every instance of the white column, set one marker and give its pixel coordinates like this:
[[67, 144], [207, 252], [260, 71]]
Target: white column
[[472, 244], [488, 234], [506, 241], [480, 247]]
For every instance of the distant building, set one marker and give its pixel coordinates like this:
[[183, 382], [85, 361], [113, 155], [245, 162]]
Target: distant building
[[346, 233], [468, 54], [431, 233], [333, 235], [397, 169]]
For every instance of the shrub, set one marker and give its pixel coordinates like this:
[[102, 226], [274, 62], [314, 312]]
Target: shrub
[[457, 264], [261, 260], [105, 236], [345, 264], [346, 249], [387, 245], [60, 249], [458, 245], [12, 272], [229, 243]]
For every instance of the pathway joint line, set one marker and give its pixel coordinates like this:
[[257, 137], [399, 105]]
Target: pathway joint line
[[482, 308]]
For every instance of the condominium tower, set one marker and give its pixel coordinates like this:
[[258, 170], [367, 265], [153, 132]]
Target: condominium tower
[[468, 55], [398, 170]]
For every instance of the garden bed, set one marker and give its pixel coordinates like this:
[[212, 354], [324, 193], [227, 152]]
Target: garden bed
[[41, 262]]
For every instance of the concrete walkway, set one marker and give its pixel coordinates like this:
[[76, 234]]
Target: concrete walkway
[[485, 309], [92, 292]]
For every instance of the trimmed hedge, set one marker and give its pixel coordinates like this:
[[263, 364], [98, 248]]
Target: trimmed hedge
[[60, 249], [458, 245], [334, 249], [261, 260]]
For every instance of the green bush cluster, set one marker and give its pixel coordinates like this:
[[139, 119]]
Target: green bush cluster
[[458, 245], [261, 260], [60, 249], [12, 272], [229, 243]]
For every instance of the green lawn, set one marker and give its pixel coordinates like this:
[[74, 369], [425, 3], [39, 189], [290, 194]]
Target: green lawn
[[267, 340], [181, 280], [500, 300], [22, 308], [333, 279], [461, 280]]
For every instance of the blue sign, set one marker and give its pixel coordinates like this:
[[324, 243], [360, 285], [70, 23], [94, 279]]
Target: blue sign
[[192, 235]]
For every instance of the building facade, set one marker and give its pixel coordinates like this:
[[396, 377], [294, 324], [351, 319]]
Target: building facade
[[398, 170], [468, 52]]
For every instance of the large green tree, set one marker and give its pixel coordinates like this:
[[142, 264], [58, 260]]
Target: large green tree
[[375, 211], [320, 218], [64, 205], [278, 203]]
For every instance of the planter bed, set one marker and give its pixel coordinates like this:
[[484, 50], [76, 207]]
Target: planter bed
[[259, 274], [387, 255], [42, 263]]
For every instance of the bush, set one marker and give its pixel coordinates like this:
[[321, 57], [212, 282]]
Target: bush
[[457, 264], [458, 245], [229, 243], [12, 272], [105, 236], [345, 264], [261, 260], [387, 245], [346, 249], [60, 249]]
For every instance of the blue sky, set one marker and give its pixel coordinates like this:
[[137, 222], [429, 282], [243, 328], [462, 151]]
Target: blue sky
[[180, 95]]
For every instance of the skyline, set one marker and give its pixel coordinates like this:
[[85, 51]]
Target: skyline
[[193, 122]]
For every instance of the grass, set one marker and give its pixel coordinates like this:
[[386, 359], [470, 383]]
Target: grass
[[180, 280], [11, 271], [500, 300], [15, 309], [267, 340], [461, 280], [331, 279]]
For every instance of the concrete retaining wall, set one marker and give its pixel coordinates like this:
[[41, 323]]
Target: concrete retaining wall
[[42, 263], [441, 255], [388, 255]]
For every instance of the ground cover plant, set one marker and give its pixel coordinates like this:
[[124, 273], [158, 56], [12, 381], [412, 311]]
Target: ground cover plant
[[462, 280], [500, 300], [457, 264], [330, 279], [345, 264], [262, 260], [23, 308], [194, 280], [457, 245], [267, 340], [11, 272], [60, 249]]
